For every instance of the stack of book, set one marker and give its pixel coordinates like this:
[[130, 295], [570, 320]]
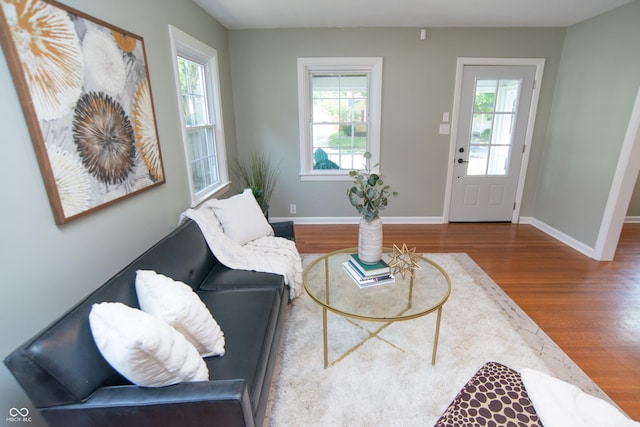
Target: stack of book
[[366, 275]]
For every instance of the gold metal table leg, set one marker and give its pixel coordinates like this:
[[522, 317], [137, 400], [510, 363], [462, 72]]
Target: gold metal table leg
[[435, 339], [324, 312], [324, 336]]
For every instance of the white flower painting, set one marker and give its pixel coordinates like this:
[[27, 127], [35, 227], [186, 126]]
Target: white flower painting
[[84, 87]]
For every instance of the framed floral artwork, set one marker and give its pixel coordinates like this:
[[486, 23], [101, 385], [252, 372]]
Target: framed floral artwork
[[84, 89]]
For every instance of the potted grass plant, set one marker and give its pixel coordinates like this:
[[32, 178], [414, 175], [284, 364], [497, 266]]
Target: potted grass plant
[[258, 173], [369, 195]]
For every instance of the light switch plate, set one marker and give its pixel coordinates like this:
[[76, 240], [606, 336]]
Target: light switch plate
[[444, 129]]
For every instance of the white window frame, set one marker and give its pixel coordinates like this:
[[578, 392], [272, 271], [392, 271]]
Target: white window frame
[[307, 66], [182, 44]]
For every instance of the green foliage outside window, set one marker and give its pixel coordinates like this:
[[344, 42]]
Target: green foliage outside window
[[484, 102]]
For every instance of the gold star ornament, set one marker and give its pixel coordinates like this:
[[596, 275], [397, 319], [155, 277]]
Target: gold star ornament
[[404, 261]]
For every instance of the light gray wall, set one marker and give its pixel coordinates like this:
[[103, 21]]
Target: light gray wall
[[418, 86], [597, 84], [47, 268], [634, 205]]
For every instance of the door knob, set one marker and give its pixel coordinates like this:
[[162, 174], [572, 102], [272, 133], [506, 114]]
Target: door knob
[[463, 161]]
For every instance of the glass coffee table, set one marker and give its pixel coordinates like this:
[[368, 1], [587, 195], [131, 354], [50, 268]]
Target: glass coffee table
[[329, 285]]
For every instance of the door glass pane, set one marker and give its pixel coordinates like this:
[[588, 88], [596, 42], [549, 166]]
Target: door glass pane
[[508, 91], [499, 160], [495, 107], [478, 155], [502, 129], [485, 98], [481, 128]]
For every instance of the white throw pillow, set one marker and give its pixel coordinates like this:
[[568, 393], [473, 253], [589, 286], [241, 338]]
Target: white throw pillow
[[144, 349], [561, 404], [175, 303], [241, 218]]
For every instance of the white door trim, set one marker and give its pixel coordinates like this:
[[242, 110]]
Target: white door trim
[[461, 63]]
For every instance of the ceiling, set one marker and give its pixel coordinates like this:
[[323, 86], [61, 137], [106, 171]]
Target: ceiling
[[251, 14]]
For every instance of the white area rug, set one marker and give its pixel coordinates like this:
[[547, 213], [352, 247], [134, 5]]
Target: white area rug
[[389, 381]]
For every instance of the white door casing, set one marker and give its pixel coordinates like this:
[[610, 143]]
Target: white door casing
[[489, 195]]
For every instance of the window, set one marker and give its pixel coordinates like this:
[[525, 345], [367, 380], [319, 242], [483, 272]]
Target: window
[[494, 117], [197, 87], [339, 112]]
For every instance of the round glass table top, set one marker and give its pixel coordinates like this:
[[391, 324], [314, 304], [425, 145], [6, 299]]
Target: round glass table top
[[328, 283]]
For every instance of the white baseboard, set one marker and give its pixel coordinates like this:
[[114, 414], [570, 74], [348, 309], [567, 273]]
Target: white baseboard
[[356, 220], [405, 220], [570, 241], [564, 238], [385, 220]]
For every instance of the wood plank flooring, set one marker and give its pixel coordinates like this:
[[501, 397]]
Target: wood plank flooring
[[590, 309]]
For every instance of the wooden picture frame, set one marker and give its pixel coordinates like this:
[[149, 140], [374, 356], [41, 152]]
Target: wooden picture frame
[[84, 89]]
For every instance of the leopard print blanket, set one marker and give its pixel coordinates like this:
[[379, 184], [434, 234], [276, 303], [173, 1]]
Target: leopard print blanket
[[494, 396]]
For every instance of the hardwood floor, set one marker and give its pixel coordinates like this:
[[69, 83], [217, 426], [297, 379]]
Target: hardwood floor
[[590, 309]]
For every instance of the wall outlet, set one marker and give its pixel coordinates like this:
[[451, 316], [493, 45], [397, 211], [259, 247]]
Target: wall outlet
[[292, 209]]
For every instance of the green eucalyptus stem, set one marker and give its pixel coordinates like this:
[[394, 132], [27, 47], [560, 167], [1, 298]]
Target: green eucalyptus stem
[[369, 195]]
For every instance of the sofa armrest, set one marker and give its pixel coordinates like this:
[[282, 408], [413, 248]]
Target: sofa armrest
[[211, 403], [284, 229]]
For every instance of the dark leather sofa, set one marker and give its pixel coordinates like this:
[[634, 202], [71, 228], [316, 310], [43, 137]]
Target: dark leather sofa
[[70, 383]]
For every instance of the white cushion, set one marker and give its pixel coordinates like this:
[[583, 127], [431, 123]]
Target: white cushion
[[144, 349], [561, 404], [175, 303], [241, 218]]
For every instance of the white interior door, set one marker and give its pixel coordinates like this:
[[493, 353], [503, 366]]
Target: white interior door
[[491, 132]]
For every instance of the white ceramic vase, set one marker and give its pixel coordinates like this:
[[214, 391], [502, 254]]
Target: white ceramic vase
[[370, 240]]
